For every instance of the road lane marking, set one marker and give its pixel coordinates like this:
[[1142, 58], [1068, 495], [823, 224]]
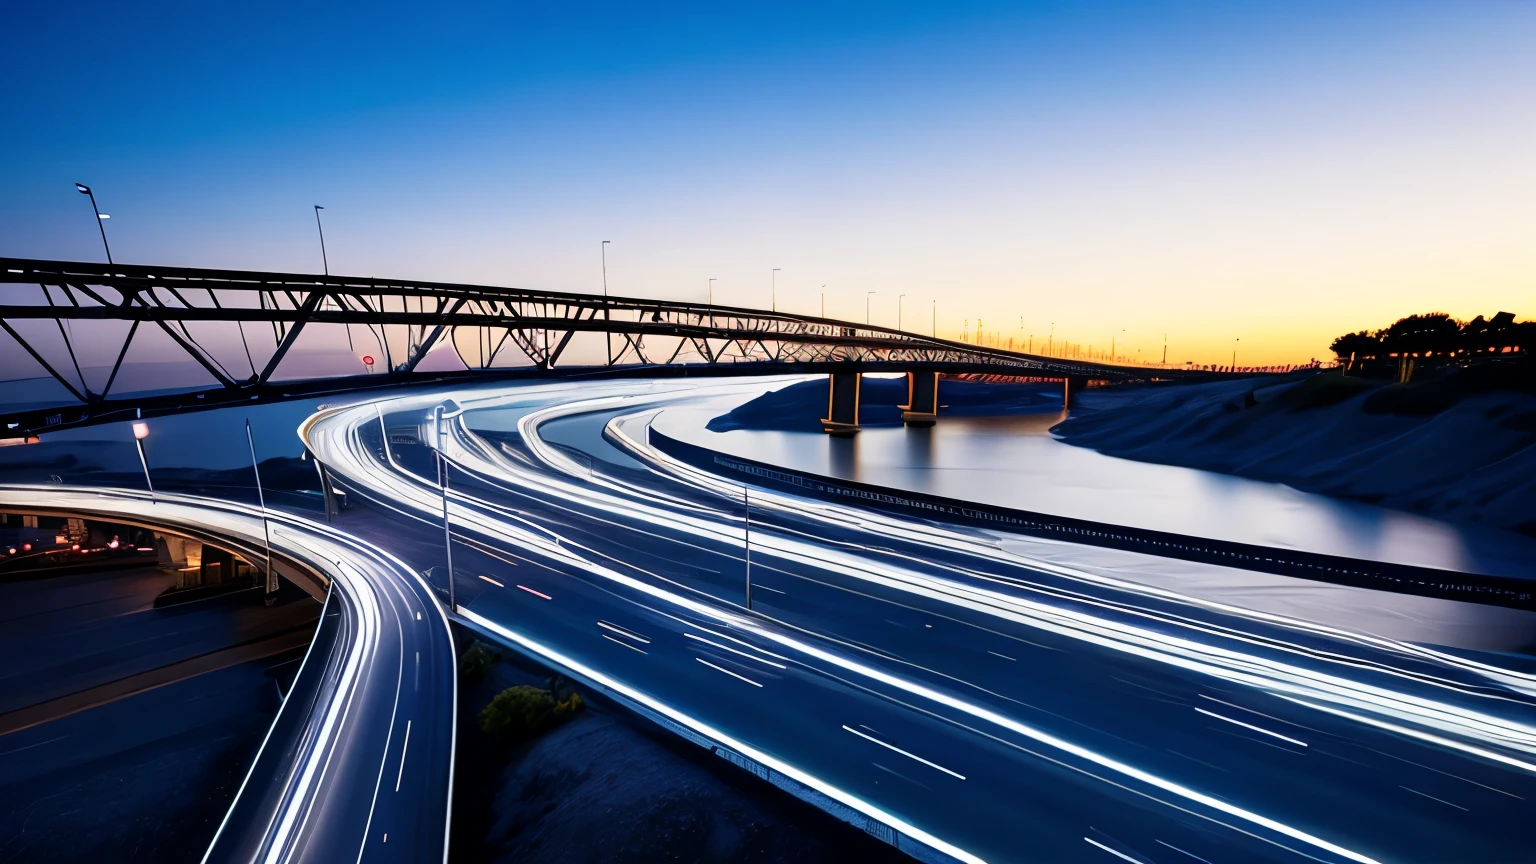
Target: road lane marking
[[539, 594], [1251, 711], [727, 671], [903, 752], [1004, 656], [1121, 855], [625, 644], [766, 588], [622, 632], [403, 748], [1177, 849], [734, 651], [1433, 798], [1251, 726], [493, 581]]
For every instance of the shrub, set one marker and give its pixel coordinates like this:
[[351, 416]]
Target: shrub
[[519, 713], [477, 661]]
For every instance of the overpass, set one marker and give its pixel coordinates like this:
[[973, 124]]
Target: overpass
[[245, 329]]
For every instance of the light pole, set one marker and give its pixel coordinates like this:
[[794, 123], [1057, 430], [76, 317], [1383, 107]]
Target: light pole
[[773, 297], [867, 295], [140, 432], [604, 248], [323, 261], [898, 310], [1234, 352], [823, 301], [1051, 345], [266, 527], [86, 190], [746, 510], [442, 467], [934, 319], [607, 337]]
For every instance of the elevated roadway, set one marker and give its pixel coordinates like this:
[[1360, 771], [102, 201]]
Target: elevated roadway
[[358, 764], [951, 695]]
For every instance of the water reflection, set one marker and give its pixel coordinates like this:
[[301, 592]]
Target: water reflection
[[1014, 462]]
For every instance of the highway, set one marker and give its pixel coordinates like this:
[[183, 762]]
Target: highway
[[358, 763], [959, 698]]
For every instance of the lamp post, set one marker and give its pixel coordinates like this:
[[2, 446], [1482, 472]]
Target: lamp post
[[746, 510], [100, 217], [442, 467], [1234, 352], [867, 295], [773, 296], [823, 301], [712, 302], [934, 319], [608, 336], [266, 527], [324, 262], [140, 432], [604, 248], [898, 310]]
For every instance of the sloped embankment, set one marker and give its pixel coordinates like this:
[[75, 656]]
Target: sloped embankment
[[1459, 446]]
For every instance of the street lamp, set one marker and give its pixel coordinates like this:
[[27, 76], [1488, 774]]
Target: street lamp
[[140, 432], [773, 297], [100, 217], [823, 301], [604, 248], [934, 316], [607, 336], [1234, 352], [867, 295], [266, 526], [711, 302], [323, 261], [898, 310]]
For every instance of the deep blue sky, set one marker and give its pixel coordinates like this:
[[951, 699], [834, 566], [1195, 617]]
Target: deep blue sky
[[1281, 171]]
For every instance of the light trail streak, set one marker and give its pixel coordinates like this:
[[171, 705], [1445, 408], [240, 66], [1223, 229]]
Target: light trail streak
[[893, 748], [728, 672], [799, 775], [1251, 726], [405, 489]]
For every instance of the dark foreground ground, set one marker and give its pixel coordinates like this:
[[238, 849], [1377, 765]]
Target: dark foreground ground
[[145, 778], [125, 729], [606, 786]]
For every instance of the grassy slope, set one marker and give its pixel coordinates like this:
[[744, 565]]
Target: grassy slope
[[1456, 447]]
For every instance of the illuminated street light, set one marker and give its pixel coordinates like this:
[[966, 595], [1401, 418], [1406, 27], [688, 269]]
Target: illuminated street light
[[323, 261], [100, 216], [140, 432]]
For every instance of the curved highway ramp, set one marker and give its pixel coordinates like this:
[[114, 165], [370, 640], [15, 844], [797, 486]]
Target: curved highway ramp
[[358, 765]]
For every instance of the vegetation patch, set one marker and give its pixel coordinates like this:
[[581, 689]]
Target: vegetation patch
[[520, 713], [477, 661]]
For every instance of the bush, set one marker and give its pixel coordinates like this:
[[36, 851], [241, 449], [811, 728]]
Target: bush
[[477, 661], [519, 713]]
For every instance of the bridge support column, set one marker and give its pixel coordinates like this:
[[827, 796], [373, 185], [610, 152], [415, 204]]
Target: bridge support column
[[922, 408], [1071, 386], [842, 417]]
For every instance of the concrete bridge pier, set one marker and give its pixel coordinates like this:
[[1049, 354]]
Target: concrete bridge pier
[[842, 418], [922, 408], [1071, 386]]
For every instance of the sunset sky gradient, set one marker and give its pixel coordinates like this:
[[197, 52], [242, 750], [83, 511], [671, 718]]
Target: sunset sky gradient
[[1279, 173]]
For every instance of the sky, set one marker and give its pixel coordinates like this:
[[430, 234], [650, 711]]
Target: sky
[[1275, 173]]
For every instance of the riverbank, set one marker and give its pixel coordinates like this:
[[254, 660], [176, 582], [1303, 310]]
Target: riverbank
[[1448, 448]]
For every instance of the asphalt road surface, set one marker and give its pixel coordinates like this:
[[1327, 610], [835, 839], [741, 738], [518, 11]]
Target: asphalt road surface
[[980, 703]]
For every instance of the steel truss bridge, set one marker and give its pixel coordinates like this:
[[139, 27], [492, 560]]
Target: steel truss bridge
[[81, 321]]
